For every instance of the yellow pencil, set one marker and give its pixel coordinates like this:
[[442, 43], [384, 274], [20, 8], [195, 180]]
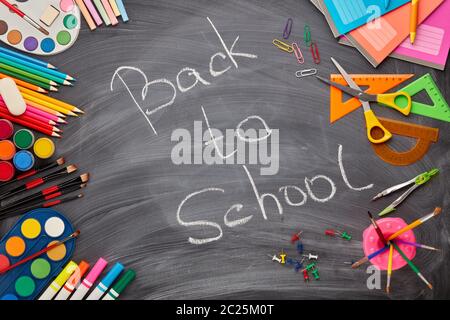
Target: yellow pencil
[[47, 104], [45, 109], [413, 20], [50, 100], [389, 270]]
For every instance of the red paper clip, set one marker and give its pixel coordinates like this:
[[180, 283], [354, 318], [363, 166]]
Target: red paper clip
[[315, 53], [298, 53]]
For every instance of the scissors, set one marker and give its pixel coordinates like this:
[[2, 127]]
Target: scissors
[[372, 123]]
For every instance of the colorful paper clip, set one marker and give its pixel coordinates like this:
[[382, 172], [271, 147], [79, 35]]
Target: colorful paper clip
[[305, 73], [307, 35], [282, 45], [288, 28], [298, 53], [315, 53]]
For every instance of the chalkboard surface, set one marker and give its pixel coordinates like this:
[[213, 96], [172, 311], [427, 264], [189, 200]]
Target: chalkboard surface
[[129, 213]]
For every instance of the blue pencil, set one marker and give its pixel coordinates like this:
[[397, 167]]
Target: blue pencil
[[27, 58], [122, 10], [52, 72]]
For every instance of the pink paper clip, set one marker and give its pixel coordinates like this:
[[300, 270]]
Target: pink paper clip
[[298, 53], [315, 53]]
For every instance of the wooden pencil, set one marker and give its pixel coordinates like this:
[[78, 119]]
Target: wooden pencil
[[49, 99], [24, 84], [47, 104], [29, 125]]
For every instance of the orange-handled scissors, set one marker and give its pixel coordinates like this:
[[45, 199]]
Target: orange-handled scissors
[[376, 133]]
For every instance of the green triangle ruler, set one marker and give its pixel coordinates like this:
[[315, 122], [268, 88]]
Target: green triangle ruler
[[439, 110]]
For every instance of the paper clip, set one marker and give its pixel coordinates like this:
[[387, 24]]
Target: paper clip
[[305, 73], [282, 45], [298, 53], [307, 36], [315, 53], [288, 28]]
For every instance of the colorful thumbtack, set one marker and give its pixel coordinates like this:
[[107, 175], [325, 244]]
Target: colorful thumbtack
[[305, 275], [315, 273], [311, 256], [300, 247], [343, 235], [296, 237]]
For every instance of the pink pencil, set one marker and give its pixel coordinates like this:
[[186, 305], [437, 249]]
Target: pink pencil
[[93, 12], [39, 112], [30, 114]]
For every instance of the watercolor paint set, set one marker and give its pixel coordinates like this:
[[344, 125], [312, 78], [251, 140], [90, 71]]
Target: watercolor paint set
[[58, 21], [34, 231]]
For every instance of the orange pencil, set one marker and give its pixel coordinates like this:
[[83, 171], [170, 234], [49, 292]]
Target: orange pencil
[[24, 84], [413, 20], [54, 101]]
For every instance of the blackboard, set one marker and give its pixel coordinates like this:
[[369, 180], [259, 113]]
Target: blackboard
[[129, 212]]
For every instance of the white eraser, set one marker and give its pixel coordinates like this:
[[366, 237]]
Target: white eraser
[[12, 97], [49, 16]]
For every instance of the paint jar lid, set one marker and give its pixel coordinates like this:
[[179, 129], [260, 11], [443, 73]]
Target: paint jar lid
[[23, 160], [6, 129], [7, 171], [44, 148], [23, 139], [7, 150]]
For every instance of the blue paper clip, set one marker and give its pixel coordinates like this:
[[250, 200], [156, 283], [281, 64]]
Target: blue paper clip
[[288, 28]]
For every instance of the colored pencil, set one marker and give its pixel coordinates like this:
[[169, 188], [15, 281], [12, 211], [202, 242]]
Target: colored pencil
[[48, 104], [25, 64], [417, 245], [31, 120], [45, 115], [59, 162], [24, 75], [49, 99], [29, 114], [29, 125], [46, 86], [416, 223], [44, 109], [39, 181], [41, 252], [22, 84], [413, 20], [377, 228], [25, 17], [389, 270], [26, 58], [48, 193], [30, 71], [412, 266]]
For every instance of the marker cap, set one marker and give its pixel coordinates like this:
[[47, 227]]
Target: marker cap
[[123, 282], [66, 273], [96, 270], [112, 274]]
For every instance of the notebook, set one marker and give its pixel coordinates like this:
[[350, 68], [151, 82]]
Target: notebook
[[344, 16]]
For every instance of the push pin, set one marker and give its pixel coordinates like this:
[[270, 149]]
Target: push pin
[[275, 258], [298, 266], [283, 257], [305, 275], [315, 273], [289, 261], [343, 235], [296, 237], [300, 247], [310, 266], [311, 256]]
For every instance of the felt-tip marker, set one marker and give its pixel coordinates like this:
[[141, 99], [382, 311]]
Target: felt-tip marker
[[73, 281], [87, 283], [120, 285], [54, 287], [106, 282]]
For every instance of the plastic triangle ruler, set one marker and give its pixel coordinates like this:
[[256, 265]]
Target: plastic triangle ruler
[[377, 83], [424, 137], [439, 110]]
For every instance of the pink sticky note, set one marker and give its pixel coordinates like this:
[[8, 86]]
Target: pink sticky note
[[372, 243], [110, 12], [93, 11]]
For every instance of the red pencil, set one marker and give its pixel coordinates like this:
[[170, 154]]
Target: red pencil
[[41, 252], [35, 121], [29, 114], [29, 125]]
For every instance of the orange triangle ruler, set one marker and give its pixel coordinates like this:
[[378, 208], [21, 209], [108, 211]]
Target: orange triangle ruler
[[376, 83]]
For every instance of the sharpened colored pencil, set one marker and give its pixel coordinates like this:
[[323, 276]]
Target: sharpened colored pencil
[[26, 74], [24, 84], [51, 100], [48, 104], [29, 114], [29, 125], [47, 86], [26, 57]]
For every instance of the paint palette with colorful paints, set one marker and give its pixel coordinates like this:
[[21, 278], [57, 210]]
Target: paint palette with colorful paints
[[35, 231], [61, 18]]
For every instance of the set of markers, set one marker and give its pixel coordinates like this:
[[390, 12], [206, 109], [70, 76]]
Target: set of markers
[[97, 12], [68, 283]]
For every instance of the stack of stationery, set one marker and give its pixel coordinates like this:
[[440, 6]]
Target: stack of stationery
[[412, 30], [34, 79]]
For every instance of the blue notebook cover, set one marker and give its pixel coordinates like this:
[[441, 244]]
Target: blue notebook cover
[[346, 15]]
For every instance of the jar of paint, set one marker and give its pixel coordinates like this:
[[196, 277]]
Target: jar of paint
[[44, 148], [7, 171], [7, 150], [23, 139], [23, 160], [6, 129]]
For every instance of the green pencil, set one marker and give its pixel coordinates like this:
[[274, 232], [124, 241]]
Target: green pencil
[[411, 265], [34, 71], [35, 82], [25, 75]]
